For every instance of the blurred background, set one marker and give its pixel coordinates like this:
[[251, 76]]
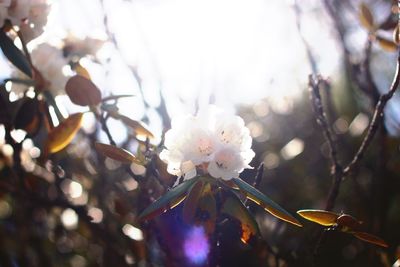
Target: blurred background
[[249, 57]]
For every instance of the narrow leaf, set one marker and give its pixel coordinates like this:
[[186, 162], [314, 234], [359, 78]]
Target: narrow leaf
[[59, 137], [348, 221], [13, 54], [371, 239], [138, 127], [366, 17], [82, 91], [192, 200], [234, 208], [262, 200], [116, 153], [167, 201], [28, 116], [207, 207], [387, 45], [322, 217], [396, 35]]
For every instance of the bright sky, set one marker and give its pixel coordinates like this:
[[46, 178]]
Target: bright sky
[[227, 51]]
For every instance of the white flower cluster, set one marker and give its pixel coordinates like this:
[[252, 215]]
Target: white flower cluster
[[29, 15], [213, 141], [50, 62]]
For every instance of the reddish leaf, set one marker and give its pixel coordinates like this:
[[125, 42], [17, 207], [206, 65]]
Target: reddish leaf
[[82, 91], [116, 153], [371, 239], [348, 221]]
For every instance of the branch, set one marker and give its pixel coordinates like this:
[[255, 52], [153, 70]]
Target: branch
[[376, 120], [336, 167], [105, 128]]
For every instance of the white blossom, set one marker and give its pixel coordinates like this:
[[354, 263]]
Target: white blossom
[[74, 46], [36, 20], [29, 15], [49, 61], [4, 5], [213, 141], [18, 11]]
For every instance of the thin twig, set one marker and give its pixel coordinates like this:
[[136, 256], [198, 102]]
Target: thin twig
[[256, 184], [161, 109], [336, 167], [105, 128], [376, 120]]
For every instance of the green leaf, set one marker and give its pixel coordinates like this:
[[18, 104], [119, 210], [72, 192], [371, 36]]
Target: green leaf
[[262, 200], [13, 54], [192, 200], [168, 201], [234, 208], [322, 217], [207, 208]]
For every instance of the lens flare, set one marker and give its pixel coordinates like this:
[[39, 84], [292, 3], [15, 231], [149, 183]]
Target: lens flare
[[196, 246]]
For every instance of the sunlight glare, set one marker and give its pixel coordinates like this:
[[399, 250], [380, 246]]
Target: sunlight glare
[[292, 149], [69, 219], [132, 232]]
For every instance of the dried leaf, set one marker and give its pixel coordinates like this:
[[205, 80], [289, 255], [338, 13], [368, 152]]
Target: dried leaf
[[348, 221], [116, 153], [389, 24], [386, 44], [366, 17], [59, 137], [371, 239], [322, 217], [82, 91], [80, 70], [396, 35], [138, 127], [262, 200]]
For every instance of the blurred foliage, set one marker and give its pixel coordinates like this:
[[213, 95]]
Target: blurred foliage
[[68, 200]]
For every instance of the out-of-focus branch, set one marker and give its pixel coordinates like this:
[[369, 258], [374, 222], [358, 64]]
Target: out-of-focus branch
[[376, 120], [358, 74], [310, 56], [161, 109], [337, 171], [336, 167], [105, 128]]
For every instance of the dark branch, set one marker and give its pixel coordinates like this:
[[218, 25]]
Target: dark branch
[[376, 120], [336, 168]]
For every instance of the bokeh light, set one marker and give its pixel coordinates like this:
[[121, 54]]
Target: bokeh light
[[196, 246]]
